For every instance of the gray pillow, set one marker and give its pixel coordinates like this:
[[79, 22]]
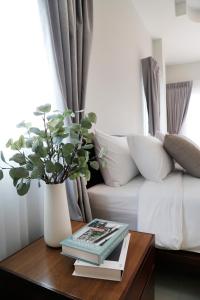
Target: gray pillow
[[185, 152]]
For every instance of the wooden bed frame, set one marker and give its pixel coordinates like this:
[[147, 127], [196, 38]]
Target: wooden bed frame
[[184, 260]]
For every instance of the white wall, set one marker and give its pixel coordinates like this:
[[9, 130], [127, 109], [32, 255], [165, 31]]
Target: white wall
[[114, 89], [183, 72], [158, 54]]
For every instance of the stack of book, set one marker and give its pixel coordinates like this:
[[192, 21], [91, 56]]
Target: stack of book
[[100, 249]]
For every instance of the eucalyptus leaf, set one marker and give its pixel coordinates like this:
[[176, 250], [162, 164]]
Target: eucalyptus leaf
[[58, 167], [19, 173], [29, 143], [9, 143], [29, 166], [21, 142], [68, 159], [37, 144], [42, 134], [67, 149], [55, 123], [74, 176], [24, 124], [15, 146], [1, 174], [82, 161], [76, 127], [86, 123], [42, 151], [15, 181], [44, 108], [88, 146], [82, 153], [50, 168], [23, 188], [18, 158], [37, 113], [37, 173], [55, 116], [68, 113], [35, 130], [2, 157], [35, 159], [21, 124], [92, 117], [94, 164], [57, 139], [87, 175]]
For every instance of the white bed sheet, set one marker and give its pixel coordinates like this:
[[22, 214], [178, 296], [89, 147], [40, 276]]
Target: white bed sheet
[[116, 203], [121, 204], [191, 213]]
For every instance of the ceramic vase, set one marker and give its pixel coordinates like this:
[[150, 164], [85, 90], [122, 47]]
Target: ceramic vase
[[57, 224]]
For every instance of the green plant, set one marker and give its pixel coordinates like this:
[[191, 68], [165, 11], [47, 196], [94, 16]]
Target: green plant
[[51, 154]]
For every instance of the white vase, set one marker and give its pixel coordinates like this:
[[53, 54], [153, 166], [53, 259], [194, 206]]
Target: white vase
[[57, 224]]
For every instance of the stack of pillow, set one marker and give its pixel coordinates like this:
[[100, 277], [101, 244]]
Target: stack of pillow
[[126, 157]]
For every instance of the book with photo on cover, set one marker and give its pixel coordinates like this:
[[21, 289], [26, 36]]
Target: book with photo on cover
[[94, 241], [111, 269]]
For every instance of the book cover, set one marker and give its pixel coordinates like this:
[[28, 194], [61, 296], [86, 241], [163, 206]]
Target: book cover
[[111, 269], [94, 241]]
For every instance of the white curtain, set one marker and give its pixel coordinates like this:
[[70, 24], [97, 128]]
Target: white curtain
[[26, 81], [191, 125]]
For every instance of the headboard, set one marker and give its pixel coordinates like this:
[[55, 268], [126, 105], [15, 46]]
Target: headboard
[[96, 176]]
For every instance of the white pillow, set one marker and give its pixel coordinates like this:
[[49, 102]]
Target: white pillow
[[120, 167], [150, 157]]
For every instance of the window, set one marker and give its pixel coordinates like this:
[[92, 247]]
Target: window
[[25, 76], [27, 80], [191, 126]]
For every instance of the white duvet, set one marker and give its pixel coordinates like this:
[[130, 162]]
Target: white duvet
[[171, 210]]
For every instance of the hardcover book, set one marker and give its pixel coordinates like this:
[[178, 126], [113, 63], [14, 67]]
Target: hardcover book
[[111, 269], [94, 241]]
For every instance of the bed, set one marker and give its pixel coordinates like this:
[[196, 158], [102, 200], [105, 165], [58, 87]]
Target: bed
[[164, 201], [169, 208]]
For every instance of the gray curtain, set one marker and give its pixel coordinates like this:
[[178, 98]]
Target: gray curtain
[[151, 81], [177, 98], [71, 24]]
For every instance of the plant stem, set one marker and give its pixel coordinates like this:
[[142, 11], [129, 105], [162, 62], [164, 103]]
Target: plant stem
[[47, 140], [68, 169]]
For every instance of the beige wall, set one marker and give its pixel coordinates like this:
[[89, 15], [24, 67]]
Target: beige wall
[[114, 89], [183, 72]]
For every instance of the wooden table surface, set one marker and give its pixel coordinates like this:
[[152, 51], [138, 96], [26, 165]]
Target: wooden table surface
[[46, 267]]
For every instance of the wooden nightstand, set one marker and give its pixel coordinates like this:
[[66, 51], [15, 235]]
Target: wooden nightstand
[[40, 272]]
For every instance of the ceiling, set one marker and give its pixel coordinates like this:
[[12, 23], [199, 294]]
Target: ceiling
[[181, 36]]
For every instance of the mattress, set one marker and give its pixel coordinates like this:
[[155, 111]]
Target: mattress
[[116, 203]]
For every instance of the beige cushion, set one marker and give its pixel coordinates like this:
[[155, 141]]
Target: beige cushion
[[185, 152]]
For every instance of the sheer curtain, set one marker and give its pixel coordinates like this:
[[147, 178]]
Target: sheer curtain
[[191, 125], [26, 82]]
